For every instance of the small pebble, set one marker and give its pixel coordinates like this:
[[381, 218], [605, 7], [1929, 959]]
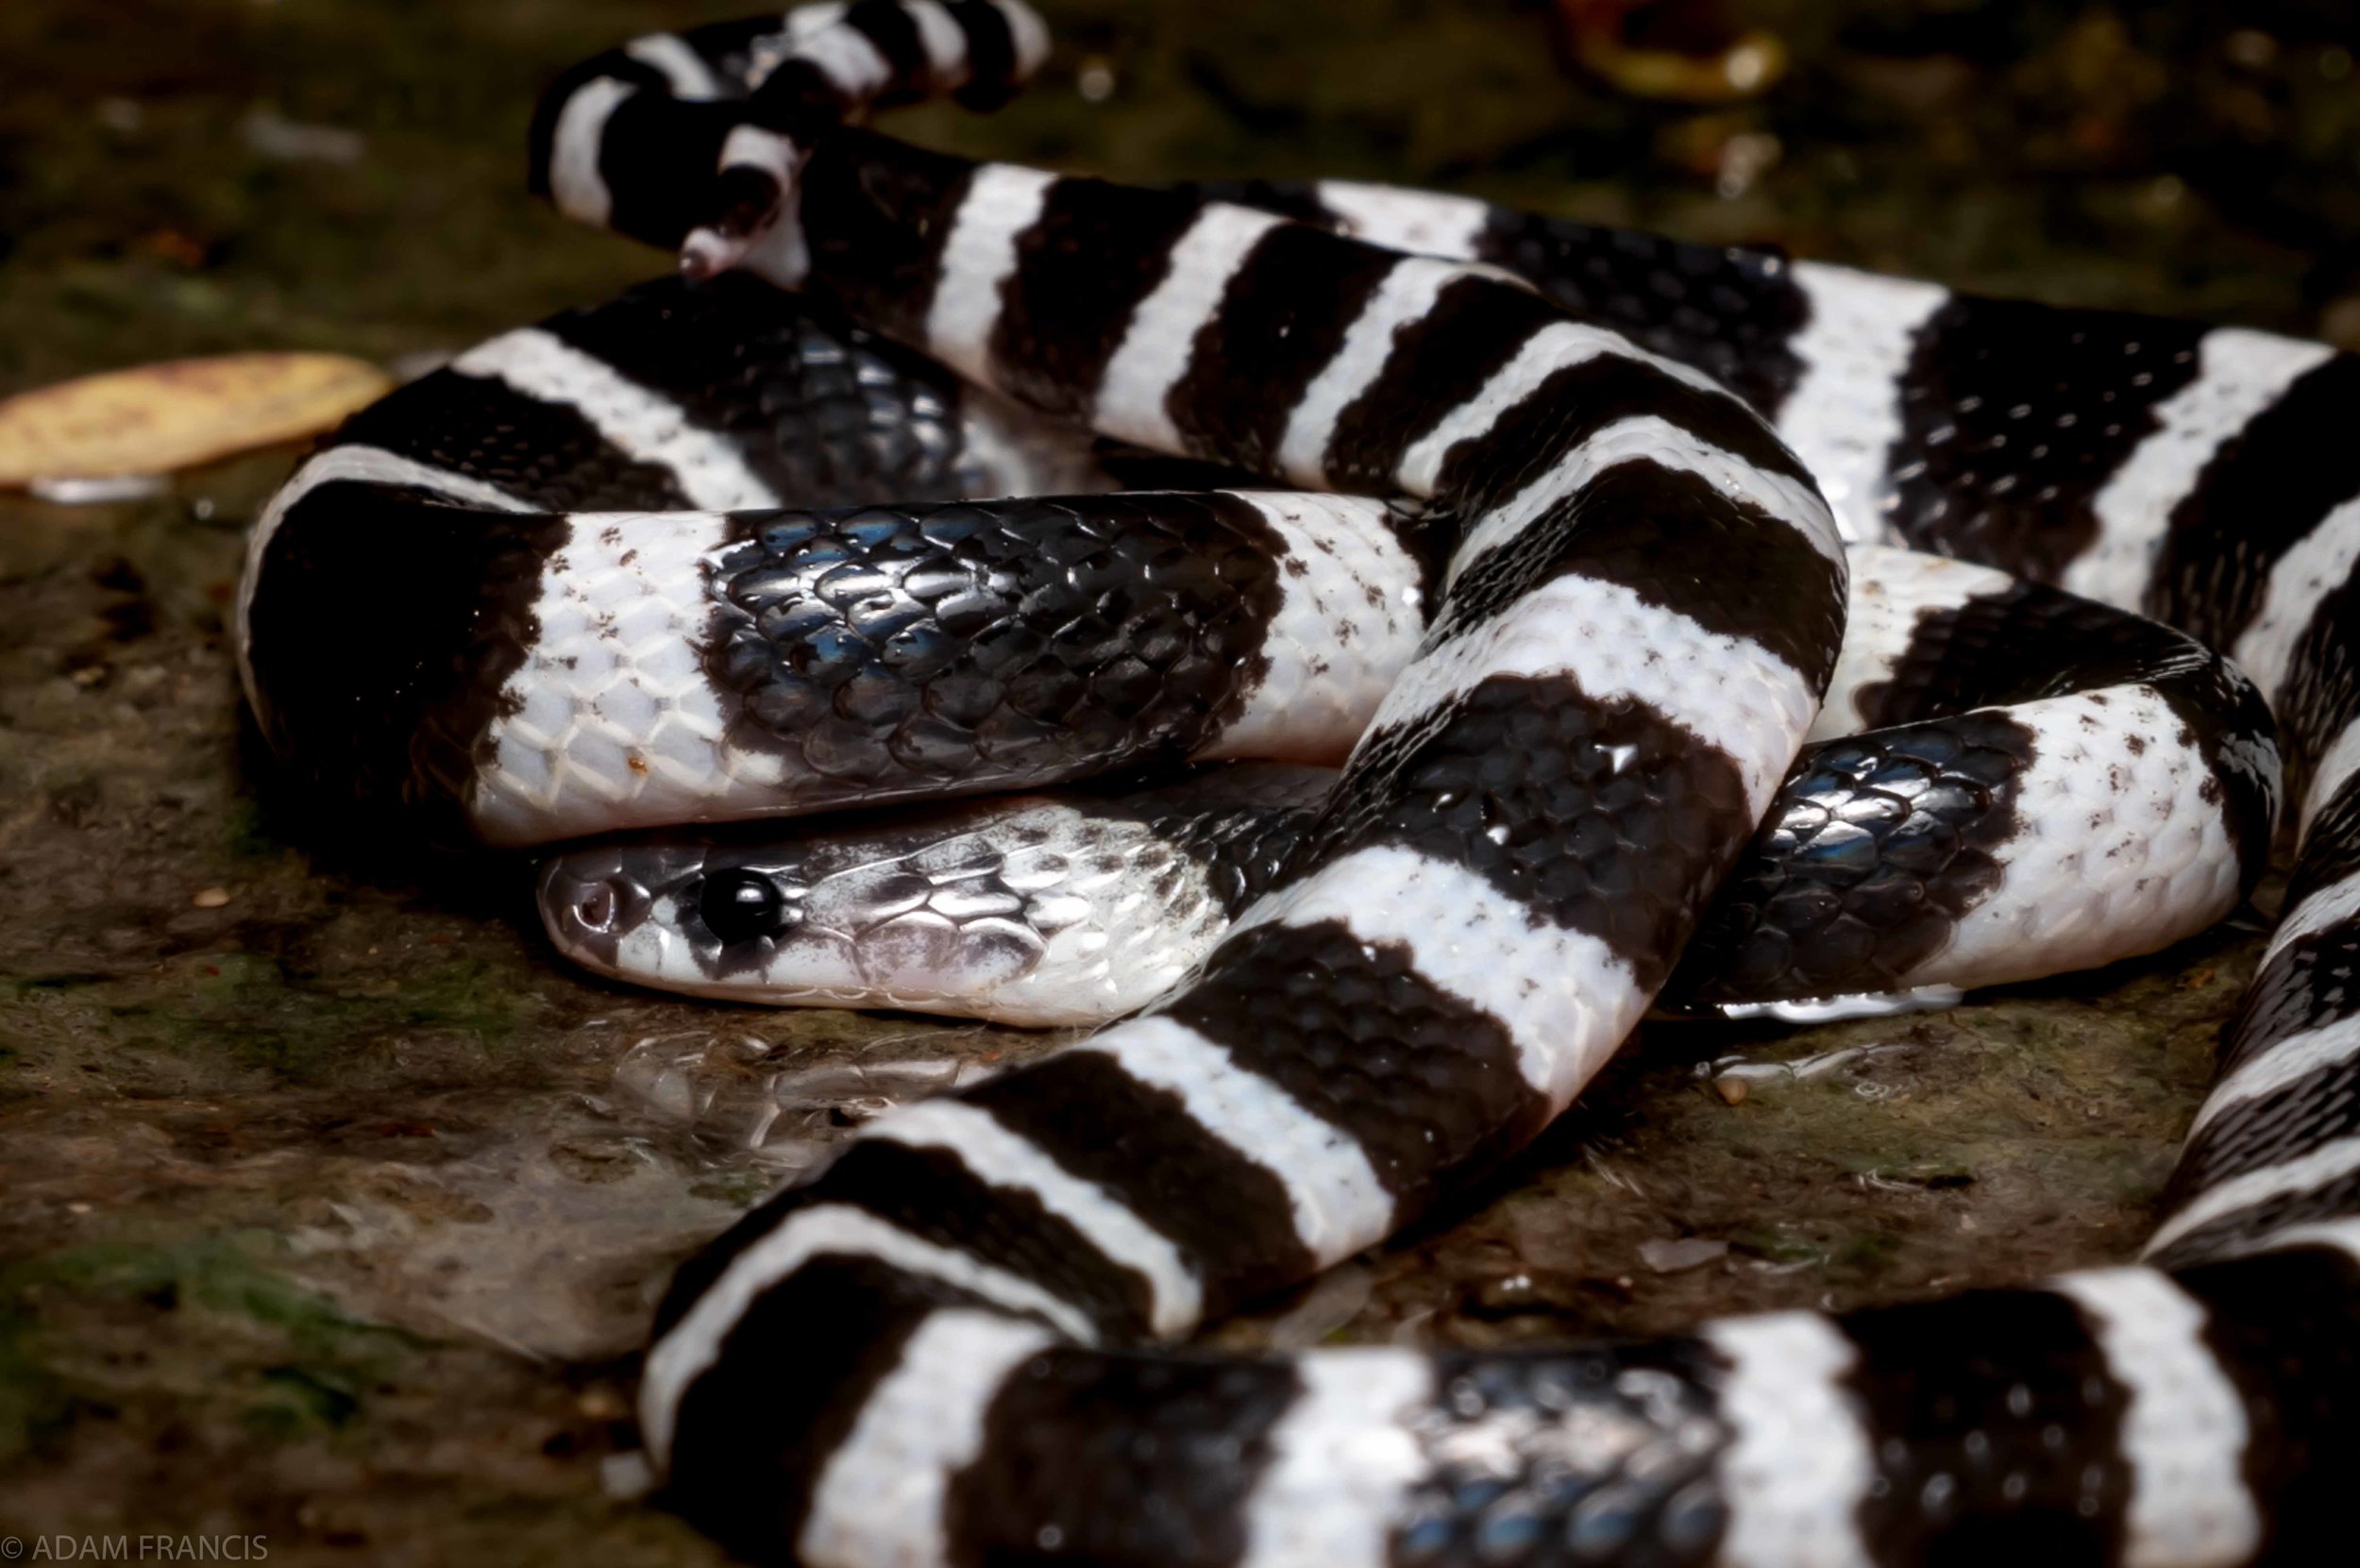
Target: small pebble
[[76, 491], [284, 141], [1670, 1258], [1731, 1089], [601, 1403], [624, 1477], [209, 898]]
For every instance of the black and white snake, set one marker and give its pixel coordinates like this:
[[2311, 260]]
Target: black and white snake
[[548, 592]]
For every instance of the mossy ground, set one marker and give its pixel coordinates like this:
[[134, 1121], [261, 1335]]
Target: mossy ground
[[335, 1209]]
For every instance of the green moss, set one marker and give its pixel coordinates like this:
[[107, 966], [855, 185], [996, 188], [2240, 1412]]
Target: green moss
[[223, 1273], [1869, 1252], [293, 1360], [254, 1009], [739, 1188], [1778, 1246], [245, 833], [37, 1406], [296, 1401]]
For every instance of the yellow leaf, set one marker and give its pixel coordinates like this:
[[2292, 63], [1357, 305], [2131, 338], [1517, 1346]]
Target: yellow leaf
[[154, 418]]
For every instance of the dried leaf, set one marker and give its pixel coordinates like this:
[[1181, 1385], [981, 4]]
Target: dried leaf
[[154, 418]]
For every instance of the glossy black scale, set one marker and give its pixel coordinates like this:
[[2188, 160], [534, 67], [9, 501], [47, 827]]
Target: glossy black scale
[[1729, 310], [1873, 850], [2321, 695], [1994, 1429], [1635, 516], [1608, 819], [1425, 1084], [1228, 1213], [823, 411], [1610, 1456], [2013, 416], [435, 602], [2257, 1133], [1113, 1459], [427, 609], [1095, 252], [1235, 823], [2309, 981], [1265, 304], [970, 646], [928, 1193], [2331, 850], [1879, 843], [2280, 1325], [1241, 851], [803, 1361], [542, 453], [2247, 1229], [2268, 485]]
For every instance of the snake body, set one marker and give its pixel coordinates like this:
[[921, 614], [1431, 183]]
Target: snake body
[[1635, 470], [1898, 856]]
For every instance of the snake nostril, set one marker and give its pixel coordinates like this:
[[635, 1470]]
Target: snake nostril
[[596, 908]]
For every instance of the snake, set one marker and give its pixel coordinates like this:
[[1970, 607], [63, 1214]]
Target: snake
[[631, 569]]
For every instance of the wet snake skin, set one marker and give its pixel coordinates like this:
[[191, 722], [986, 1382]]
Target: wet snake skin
[[1636, 477], [1896, 858]]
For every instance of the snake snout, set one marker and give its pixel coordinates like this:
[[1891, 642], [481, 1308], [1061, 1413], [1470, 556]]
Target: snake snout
[[589, 904], [596, 908]]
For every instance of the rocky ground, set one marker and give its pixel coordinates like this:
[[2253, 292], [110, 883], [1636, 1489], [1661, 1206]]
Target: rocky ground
[[335, 1205]]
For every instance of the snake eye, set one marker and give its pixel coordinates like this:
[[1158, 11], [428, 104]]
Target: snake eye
[[738, 905]]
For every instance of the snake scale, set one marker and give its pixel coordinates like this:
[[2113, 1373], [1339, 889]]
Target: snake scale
[[1572, 654]]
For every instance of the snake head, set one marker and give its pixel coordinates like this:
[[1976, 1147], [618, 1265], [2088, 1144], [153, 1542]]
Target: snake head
[[753, 223], [1021, 918], [1020, 910]]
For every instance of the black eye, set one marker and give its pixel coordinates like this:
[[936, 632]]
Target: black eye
[[740, 906]]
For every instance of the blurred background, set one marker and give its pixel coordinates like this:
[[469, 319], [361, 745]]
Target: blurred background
[[335, 1206], [184, 175]]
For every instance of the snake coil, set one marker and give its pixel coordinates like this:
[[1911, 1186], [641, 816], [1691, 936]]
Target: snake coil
[[553, 590]]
